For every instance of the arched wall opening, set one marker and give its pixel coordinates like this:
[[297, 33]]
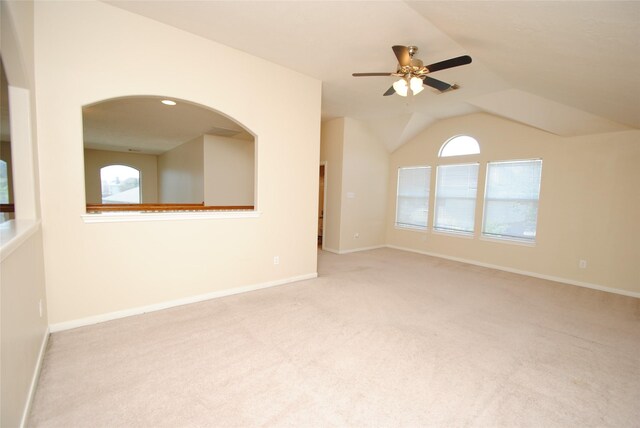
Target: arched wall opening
[[192, 157]]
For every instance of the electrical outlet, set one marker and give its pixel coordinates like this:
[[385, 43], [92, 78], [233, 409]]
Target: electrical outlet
[[356, 235], [582, 264], [276, 260]]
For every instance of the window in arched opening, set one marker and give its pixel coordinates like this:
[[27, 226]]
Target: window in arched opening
[[459, 146], [120, 184]]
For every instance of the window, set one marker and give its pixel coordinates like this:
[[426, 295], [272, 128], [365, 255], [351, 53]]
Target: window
[[412, 205], [7, 210], [4, 183], [511, 199], [120, 184], [459, 146], [456, 189]]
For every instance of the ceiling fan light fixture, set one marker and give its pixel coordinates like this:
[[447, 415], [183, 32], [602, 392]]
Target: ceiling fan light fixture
[[401, 87], [416, 85]]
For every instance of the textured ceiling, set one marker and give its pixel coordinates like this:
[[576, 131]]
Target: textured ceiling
[[579, 58]]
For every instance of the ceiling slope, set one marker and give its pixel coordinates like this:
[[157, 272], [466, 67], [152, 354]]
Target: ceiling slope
[[544, 114], [584, 54], [569, 56]]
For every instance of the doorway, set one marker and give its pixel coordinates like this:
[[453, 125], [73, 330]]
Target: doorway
[[321, 198]]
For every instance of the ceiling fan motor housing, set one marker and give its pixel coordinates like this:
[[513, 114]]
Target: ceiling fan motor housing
[[415, 66]]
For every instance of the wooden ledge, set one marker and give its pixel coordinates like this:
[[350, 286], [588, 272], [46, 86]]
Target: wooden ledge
[[100, 208]]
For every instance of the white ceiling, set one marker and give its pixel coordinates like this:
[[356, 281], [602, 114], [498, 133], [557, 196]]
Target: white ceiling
[[579, 58], [142, 124]]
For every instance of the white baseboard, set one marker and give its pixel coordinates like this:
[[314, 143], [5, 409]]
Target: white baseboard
[[331, 250], [522, 272], [67, 325], [353, 250], [34, 379]]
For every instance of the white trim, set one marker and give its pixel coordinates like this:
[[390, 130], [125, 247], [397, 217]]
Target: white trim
[[14, 233], [331, 250], [67, 325], [419, 229], [34, 379], [523, 272], [22, 153], [119, 217], [507, 240], [354, 250], [456, 233]]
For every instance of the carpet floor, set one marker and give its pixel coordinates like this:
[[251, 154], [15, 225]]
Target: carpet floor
[[381, 338]]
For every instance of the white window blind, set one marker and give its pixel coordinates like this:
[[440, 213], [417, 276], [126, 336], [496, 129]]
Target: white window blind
[[511, 199], [456, 189], [412, 205]]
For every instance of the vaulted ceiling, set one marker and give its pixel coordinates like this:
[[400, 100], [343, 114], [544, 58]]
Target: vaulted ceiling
[[569, 68]]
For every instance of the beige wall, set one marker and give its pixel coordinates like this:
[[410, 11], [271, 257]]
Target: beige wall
[[357, 179], [22, 326], [331, 152], [229, 171], [364, 188], [95, 269], [94, 160], [589, 201], [181, 174], [22, 286]]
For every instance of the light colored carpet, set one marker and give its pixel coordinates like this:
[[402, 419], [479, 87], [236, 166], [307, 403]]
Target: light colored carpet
[[382, 338]]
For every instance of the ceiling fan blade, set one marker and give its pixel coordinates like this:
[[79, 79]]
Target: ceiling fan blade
[[402, 53], [449, 63], [438, 84], [390, 91], [370, 74]]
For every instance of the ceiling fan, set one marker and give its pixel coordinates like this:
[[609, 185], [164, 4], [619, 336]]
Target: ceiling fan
[[413, 72]]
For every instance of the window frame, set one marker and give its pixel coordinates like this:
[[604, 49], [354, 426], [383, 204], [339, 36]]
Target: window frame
[[507, 238], [454, 232], [428, 189]]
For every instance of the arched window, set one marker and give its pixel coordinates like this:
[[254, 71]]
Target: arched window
[[459, 145], [120, 185]]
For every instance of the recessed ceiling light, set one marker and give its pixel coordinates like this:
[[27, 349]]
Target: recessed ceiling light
[[168, 102]]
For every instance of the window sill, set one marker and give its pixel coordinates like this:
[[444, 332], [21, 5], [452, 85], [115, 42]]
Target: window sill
[[513, 241], [14, 233], [409, 228], [122, 217], [466, 235]]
